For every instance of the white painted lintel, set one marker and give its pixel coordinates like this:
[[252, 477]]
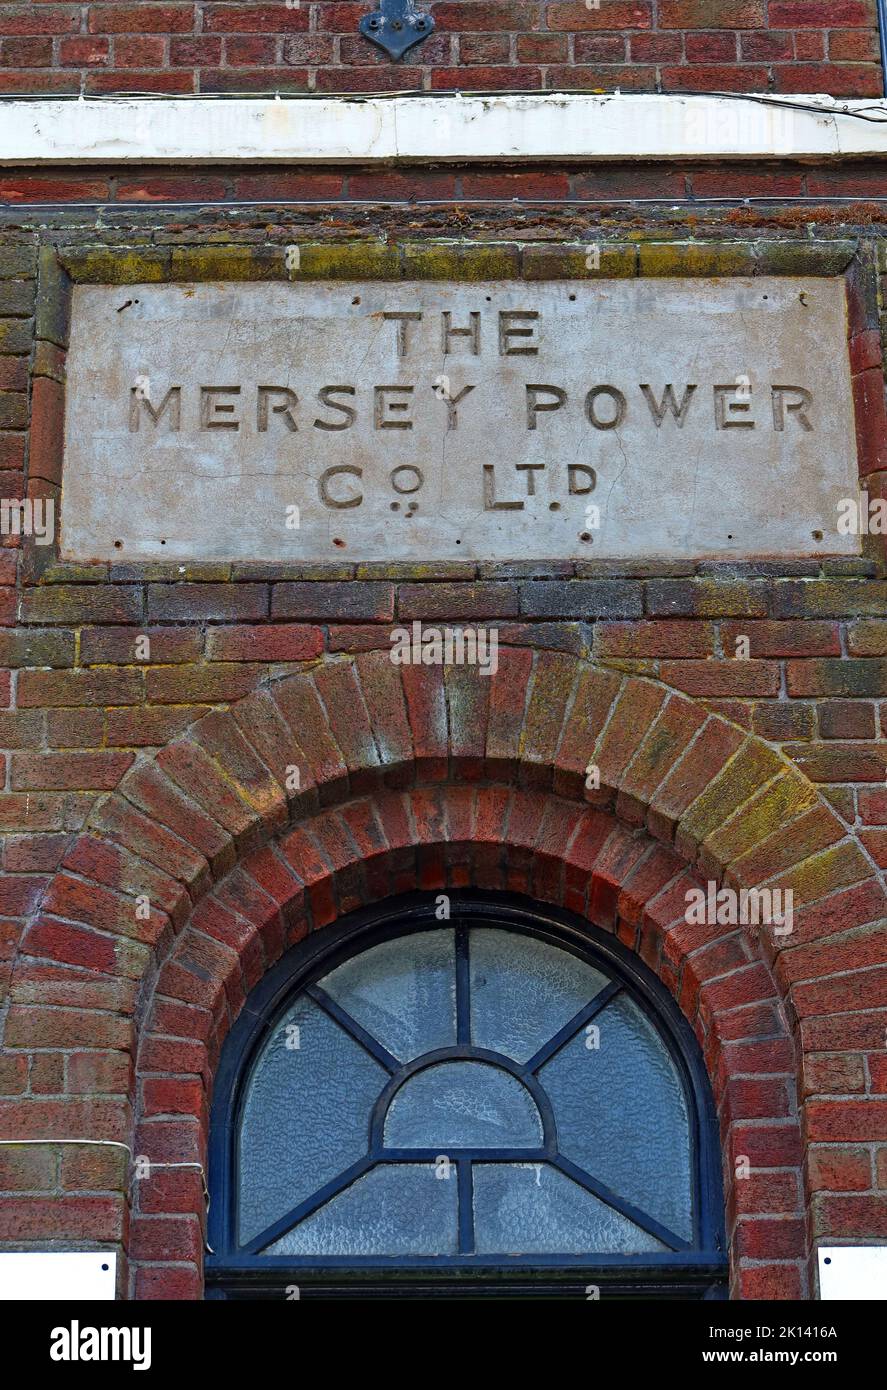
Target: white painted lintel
[[445, 127]]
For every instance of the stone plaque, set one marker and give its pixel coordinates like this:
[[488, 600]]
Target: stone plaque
[[429, 421]]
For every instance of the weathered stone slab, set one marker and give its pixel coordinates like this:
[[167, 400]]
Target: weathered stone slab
[[430, 421]]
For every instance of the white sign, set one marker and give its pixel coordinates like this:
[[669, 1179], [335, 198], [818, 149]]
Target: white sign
[[54, 1276], [437, 421], [853, 1271]]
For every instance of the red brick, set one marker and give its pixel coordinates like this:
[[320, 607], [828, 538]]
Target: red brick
[[833, 1168], [42, 19], [65, 1218], [849, 1216], [847, 1121], [146, 51], [853, 46], [25, 53], [310, 186], [798, 638], [770, 1281], [84, 52], [172, 1282], [508, 184], [250, 51], [175, 1239], [199, 51], [740, 77], [279, 642], [711, 48], [767, 47], [782, 1239], [162, 83], [139, 19], [173, 1096], [253, 19], [101, 770], [599, 48], [612, 14], [819, 14], [656, 639], [484, 78], [847, 719]]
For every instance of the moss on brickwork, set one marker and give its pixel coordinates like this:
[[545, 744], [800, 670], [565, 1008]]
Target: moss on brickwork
[[435, 261], [590, 261], [116, 265], [804, 257], [355, 260], [17, 260], [671, 258], [199, 263]]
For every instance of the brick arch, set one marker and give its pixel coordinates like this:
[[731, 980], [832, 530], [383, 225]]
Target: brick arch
[[193, 876]]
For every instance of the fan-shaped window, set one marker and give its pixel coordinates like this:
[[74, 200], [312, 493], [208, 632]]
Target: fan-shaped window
[[492, 1095]]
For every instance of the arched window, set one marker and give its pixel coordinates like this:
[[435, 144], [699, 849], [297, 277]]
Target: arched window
[[503, 1096]]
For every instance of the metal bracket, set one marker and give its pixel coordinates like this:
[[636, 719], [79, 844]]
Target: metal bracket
[[395, 27]]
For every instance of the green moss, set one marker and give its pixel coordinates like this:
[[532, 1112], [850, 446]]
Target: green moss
[[778, 803], [803, 257], [697, 258], [821, 874], [107, 265], [353, 260], [210, 262], [417, 569], [16, 335], [744, 775], [561, 262], [16, 261], [450, 261], [68, 572], [53, 299]]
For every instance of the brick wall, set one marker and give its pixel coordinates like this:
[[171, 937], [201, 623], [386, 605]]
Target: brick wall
[[635, 45], [121, 776]]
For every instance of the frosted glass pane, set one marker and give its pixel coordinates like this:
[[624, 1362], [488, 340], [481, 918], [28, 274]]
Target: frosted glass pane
[[397, 1209], [305, 1117], [533, 1209], [524, 990], [621, 1114], [403, 992], [463, 1105]]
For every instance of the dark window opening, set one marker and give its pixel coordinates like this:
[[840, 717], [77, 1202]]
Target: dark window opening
[[500, 1102]]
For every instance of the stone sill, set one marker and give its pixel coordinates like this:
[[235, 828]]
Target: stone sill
[[449, 127]]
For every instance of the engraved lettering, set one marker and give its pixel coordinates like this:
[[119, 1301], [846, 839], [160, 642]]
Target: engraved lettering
[[283, 408], [506, 332], [403, 319], [725, 409], [339, 503], [573, 481], [490, 503], [172, 401], [530, 469], [324, 396], [472, 332], [211, 408], [780, 405], [535, 406], [668, 404], [451, 403], [411, 473], [383, 408], [619, 407]]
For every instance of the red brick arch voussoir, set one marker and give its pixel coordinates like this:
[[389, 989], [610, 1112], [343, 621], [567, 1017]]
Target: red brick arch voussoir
[[358, 779]]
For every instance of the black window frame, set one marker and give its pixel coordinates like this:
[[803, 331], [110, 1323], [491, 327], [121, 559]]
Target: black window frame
[[697, 1273]]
